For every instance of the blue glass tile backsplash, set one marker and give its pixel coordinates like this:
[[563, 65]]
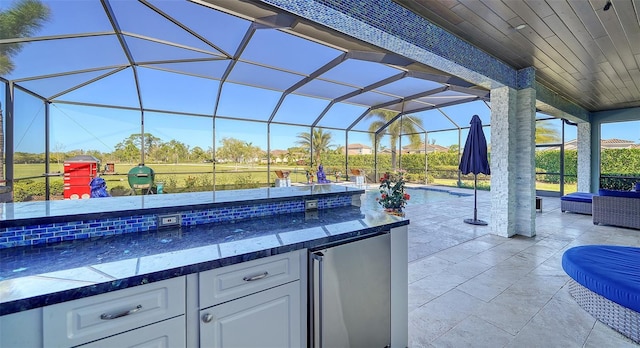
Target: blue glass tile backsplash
[[75, 230]]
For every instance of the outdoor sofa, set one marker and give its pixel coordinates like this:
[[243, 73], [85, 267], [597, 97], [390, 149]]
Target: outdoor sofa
[[605, 281], [577, 202], [617, 208]]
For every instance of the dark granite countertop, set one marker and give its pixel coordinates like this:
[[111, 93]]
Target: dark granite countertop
[[16, 214], [32, 277]]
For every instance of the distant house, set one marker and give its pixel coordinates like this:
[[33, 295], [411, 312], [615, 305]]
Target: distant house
[[604, 144], [420, 148], [358, 149], [617, 144], [279, 156]]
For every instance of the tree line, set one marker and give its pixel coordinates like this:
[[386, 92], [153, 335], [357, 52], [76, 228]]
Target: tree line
[[231, 150], [129, 150]]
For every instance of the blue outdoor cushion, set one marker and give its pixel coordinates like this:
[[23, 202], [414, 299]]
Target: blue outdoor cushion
[[585, 197], [608, 270], [616, 193]]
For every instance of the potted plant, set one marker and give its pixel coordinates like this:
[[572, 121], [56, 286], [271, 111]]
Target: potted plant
[[392, 196]]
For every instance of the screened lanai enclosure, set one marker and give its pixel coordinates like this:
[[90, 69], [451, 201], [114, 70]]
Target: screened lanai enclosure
[[217, 95]]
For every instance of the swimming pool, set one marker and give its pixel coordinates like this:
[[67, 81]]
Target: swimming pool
[[420, 195]]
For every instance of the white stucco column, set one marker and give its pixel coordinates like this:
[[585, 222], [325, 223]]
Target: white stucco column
[[513, 162], [584, 157]]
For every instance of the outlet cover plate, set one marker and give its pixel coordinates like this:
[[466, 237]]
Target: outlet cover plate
[[311, 204], [168, 220]]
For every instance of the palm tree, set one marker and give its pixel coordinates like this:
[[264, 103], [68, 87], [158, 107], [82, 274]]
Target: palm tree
[[546, 134], [20, 20], [395, 130], [320, 142]]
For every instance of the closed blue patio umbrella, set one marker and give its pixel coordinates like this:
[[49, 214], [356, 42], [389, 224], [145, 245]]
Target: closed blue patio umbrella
[[474, 160]]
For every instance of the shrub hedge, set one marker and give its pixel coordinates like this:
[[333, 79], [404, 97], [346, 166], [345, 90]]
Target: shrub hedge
[[617, 163], [620, 170]]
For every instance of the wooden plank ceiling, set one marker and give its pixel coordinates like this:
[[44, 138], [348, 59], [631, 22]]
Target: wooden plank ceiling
[[587, 54]]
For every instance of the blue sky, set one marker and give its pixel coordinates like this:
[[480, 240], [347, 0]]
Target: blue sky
[[77, 127]]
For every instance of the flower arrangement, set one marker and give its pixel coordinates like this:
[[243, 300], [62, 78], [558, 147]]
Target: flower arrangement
[[392, 195]]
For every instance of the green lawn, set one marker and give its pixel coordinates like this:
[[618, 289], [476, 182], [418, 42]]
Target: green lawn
[[199, 177], [176, 177], [539, 185]]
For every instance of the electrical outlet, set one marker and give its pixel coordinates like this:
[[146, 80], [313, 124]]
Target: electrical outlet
[[311, 204], [168, 220]]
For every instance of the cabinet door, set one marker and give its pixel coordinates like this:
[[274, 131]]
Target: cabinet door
[[165, 334], [22, 329], [270, 318]]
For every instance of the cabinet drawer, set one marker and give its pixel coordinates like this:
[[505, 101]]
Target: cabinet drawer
[[227, 283], [91, 318], [168, 333]]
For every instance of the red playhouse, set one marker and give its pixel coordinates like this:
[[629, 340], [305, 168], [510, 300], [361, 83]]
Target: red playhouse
[[78, 172]]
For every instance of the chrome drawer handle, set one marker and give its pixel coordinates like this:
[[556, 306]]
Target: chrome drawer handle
[[256, 277], [105, 316]]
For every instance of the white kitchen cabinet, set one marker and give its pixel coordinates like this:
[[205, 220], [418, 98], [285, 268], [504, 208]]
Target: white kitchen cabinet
[[258, 303], [165, 334], [227, 283], [269, 318], [92, 318], [255, 303], [21, 329]]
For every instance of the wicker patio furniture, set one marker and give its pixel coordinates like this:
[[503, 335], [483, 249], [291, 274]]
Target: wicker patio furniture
[[577, 202], [605, 282], [617, 317], [617, 211]]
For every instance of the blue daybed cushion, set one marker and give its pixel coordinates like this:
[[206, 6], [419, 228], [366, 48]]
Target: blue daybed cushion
[[585, 197], [616, 193], [608, 270]]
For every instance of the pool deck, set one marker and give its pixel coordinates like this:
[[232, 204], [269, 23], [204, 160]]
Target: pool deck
[[469, 288]]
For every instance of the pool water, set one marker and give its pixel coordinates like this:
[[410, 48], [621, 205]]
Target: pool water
[[418, 196]]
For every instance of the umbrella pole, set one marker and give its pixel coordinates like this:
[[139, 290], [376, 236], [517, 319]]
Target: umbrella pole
[[475, 196], [475, 220]]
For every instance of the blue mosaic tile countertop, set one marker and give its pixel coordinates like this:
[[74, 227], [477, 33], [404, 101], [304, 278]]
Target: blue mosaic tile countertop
[[36, 276], [15, 214]]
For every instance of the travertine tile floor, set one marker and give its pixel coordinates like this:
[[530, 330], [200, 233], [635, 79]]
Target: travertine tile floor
[[469, 288]]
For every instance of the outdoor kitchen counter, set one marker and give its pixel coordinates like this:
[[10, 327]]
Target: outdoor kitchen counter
[[42, 212], [32, 277]]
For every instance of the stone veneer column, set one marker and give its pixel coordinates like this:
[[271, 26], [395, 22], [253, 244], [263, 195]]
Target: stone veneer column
[[584, 157], [526, 163], [513, 162], [503, 107]]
